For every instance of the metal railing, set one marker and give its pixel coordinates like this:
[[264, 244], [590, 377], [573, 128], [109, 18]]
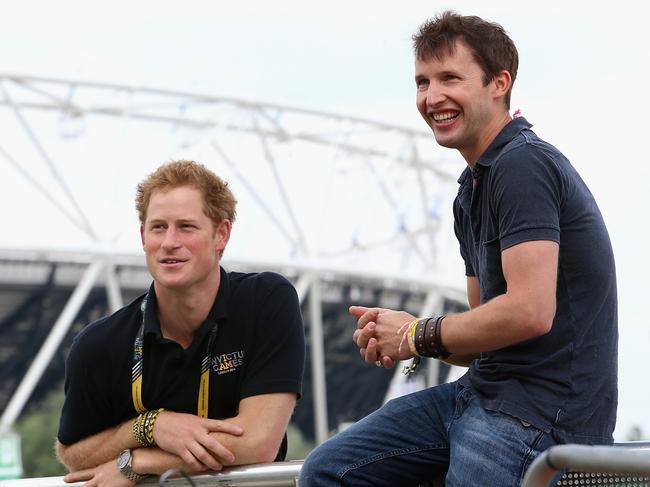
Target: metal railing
[[623, 464], [279, 474]]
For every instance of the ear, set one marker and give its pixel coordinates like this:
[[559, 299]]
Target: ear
[[501, 83], [142, 235], [222, 235]]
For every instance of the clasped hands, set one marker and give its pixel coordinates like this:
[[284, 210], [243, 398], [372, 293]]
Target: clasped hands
[[185, 436], [381, 334], [188, 437]]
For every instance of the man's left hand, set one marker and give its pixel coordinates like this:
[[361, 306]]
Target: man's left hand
[[379, 334], [105, 475]]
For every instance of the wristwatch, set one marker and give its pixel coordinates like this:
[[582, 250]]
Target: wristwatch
[[124, 465]]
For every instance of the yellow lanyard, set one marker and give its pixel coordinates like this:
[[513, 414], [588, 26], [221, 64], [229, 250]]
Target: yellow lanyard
[[136, 371]]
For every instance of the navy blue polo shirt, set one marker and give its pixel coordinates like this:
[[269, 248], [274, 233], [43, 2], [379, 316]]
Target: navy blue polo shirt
[[564, 382], [259, 349]]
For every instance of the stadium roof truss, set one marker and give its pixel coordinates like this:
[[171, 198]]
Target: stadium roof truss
[[322, 196]]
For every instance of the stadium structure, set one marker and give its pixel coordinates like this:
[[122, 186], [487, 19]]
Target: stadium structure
[[352, 211]]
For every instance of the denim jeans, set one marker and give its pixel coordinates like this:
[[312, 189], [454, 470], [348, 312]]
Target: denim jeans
[[419, 437]]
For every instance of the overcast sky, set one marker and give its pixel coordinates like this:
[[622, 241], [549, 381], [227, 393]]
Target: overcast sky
[[582, 82]]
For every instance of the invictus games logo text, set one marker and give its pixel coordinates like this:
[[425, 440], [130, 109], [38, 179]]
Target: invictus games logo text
[[227, 362]]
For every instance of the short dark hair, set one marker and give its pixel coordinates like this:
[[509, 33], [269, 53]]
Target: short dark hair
[[492, 48], [218, 201]]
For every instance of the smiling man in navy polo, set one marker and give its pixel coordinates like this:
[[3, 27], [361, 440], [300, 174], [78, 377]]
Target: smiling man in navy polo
[[203, 370], [540, 338]]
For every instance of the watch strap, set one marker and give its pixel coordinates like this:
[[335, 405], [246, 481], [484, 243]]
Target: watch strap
[[127, 470]]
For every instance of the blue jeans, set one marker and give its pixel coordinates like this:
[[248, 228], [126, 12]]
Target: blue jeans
[[422, 436]]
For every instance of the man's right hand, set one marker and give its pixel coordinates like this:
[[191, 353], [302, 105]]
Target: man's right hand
[[188, 436], [379, 334]]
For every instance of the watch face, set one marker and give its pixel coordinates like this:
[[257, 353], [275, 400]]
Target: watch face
[[123, 459]]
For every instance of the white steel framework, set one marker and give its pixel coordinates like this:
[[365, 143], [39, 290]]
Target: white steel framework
[[320, 194]]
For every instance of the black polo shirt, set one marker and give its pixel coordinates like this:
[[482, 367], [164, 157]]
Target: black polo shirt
[[564, 382], [259, 349]]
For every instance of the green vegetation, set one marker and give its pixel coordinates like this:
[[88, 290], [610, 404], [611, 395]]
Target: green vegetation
[[635, 433], [298, 447], [38, 430]]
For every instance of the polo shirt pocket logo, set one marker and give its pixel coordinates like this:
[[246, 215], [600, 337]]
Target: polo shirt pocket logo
[[227, 362]]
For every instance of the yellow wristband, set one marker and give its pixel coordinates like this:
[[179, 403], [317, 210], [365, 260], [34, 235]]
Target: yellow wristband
[[411, 337]]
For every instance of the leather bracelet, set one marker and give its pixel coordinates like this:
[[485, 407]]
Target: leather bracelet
[[425, 343], [440, 348], [420, 346], [428, 340]]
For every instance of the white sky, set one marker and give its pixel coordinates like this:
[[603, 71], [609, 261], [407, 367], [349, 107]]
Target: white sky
[[582, 82]]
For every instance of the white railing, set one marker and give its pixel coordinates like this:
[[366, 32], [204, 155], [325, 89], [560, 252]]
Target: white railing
[[279, 474], [621, 460]]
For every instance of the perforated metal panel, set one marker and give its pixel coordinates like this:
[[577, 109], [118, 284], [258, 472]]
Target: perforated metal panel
[[603, 480]]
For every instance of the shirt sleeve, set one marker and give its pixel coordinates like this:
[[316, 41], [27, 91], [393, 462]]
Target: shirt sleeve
[[277, 356], [526, 197], [462, 235], [86, 409]]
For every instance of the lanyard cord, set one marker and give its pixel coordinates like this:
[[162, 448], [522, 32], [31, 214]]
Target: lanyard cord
[[137, 373]]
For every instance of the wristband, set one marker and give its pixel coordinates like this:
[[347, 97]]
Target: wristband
[[428, 339], [137, 430], [142, 428], [410, 337], [419, 337], [152, 421], [415, 334], [440, 348]]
